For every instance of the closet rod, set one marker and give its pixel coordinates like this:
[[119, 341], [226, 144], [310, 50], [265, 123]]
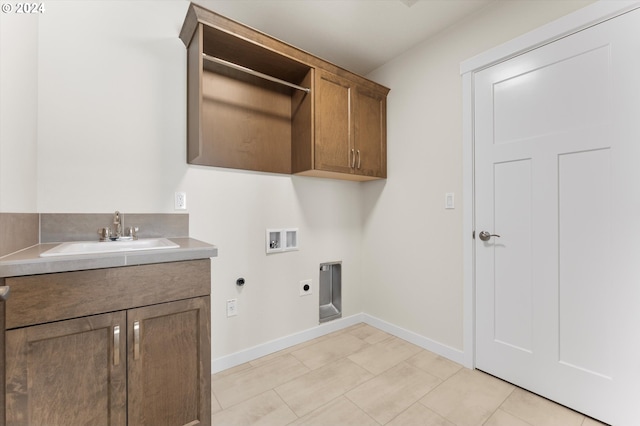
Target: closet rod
[[253, 72]]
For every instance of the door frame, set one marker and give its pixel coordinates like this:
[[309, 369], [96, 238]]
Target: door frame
[[588, 16]]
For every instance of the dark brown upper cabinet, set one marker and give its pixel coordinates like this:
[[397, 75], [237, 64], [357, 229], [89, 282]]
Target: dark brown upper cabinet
[[257, 103]]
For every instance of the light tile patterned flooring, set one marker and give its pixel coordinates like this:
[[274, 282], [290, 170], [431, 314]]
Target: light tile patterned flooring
[[364, 376]]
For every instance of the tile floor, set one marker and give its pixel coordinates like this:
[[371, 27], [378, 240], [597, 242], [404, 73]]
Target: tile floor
[[364, 376]]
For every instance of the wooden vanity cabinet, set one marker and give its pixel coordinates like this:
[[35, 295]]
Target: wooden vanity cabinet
[[143, 357]]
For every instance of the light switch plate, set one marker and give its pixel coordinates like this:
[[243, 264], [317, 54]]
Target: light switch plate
[[449, 200]]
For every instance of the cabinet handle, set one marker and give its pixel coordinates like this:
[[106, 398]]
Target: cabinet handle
[[358, 159], [116, 345], [4, 292], [353, 158], [136, 340]]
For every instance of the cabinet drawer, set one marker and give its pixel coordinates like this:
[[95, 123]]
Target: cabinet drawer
[[39, 299]]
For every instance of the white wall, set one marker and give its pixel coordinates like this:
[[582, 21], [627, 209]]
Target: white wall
[[18, 112], [111, 83], [412, 246], [110, 134]]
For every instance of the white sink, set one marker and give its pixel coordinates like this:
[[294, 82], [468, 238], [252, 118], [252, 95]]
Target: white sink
[[97, 247]]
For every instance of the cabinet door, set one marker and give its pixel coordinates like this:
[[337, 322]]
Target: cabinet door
[[67, 373], [3, 291], [170, 363], [370, 133], [333, 145]]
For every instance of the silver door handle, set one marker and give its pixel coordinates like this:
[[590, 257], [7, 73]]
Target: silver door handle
[[136, 340], [485, 236], [4, 292], [116, 345]]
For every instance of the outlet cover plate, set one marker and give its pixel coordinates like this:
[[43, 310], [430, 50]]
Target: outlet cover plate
[[232, 307], [306, 287], [180, 201]]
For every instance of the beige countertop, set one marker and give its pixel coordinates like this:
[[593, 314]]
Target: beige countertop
[[29, 262]]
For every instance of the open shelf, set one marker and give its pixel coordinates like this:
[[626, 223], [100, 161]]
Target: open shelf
[[238, 119]]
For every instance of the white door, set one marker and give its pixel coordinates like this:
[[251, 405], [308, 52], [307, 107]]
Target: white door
[[557, 177]]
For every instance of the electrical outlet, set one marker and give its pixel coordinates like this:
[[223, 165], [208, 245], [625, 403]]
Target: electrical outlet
[[305, 287], [232, 307], [181, 201]]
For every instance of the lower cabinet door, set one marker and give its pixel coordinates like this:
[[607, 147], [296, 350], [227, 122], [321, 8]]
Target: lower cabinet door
[[169, 365], [70, 372]]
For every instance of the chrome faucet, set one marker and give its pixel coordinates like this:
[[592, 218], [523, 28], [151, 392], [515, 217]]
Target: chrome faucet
[[116, 224], [106, 234]]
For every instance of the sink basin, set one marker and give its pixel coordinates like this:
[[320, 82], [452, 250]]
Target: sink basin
[[97, 247]]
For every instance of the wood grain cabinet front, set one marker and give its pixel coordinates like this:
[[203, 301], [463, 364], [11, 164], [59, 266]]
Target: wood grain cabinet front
[[141, 365], [370, 133], [67, 373], [350, 130], [4, 293], [257, 103], [169, 364]]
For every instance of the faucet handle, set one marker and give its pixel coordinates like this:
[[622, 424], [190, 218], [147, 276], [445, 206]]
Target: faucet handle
[[104, 233], [132, 231]]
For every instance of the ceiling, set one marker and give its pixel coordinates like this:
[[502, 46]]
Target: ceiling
[[359, 35]]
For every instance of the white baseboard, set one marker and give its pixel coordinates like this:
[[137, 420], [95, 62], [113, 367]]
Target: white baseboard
[[455, 355], [246, 355], [237, 358]]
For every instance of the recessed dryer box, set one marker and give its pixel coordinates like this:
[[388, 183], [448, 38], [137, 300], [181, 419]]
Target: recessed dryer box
[[330, 290]]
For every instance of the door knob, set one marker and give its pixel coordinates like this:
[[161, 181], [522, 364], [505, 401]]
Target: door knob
[[485, 236]]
